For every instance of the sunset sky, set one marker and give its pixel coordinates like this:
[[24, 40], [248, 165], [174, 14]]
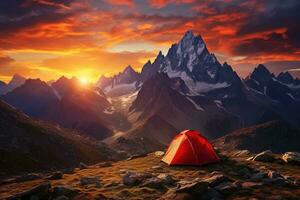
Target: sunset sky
[[88, 38]]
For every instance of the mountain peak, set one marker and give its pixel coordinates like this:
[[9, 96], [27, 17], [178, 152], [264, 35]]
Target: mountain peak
[[285, 77], [129, 69], [188, 35], [62, 79], [17, 78], [261, 70]]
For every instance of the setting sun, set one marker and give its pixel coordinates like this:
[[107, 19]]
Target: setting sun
[[84, 80]]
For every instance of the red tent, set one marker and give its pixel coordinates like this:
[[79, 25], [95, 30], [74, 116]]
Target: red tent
[[190, 148]]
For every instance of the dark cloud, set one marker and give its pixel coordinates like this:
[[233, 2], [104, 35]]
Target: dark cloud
[[272, 43], [5, 60], [273, 14], [16, 15]]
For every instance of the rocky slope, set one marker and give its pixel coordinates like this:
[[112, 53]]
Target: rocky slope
[[277, 136], [147, 177], [28, 145]]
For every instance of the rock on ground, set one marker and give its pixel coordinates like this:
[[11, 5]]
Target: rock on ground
[[265, 156], [216, 178], [41, 191], [166, 179], [55, 176], [64, 190], [132, 179], [291, 158]]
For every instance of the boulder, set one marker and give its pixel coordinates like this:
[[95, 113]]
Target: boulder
[[166, 179], [291, 158], [88, 180], [194, 188], [265, 156], [55, 176], [154, 182], [159, 153], [65, 190], [216, 178], [41, 191], [132, 179], [227, 188]]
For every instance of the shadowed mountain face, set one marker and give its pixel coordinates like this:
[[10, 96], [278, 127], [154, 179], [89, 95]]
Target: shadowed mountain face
[[66, 103], [276, 136], [81, 108], [27, 145], [34, 98], [159, 96]]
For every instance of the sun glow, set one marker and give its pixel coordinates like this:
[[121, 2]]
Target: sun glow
[[84, 80]]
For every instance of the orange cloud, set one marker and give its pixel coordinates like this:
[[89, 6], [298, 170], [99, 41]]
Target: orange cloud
[[129, 3], [163, 3], [92, 37]]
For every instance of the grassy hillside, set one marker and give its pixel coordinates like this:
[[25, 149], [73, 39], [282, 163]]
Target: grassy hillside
[[30, 145]]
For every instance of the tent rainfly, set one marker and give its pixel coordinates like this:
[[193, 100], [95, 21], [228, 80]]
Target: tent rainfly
[[190, 148]]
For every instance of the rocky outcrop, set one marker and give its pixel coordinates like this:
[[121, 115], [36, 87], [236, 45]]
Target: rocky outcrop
[[291, 158]]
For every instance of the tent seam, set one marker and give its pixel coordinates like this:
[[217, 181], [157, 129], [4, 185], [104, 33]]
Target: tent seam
[[193, 149]]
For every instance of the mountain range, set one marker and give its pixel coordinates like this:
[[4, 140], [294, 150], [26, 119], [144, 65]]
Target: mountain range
[[188, 88]]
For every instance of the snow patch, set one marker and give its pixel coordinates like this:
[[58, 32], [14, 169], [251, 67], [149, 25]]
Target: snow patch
[[289, 94], [200, 48], [292, 86], [109, 111], [196, 105], [192, 58], [56, 93], [126, 86], [219, 104], [211, 74]]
